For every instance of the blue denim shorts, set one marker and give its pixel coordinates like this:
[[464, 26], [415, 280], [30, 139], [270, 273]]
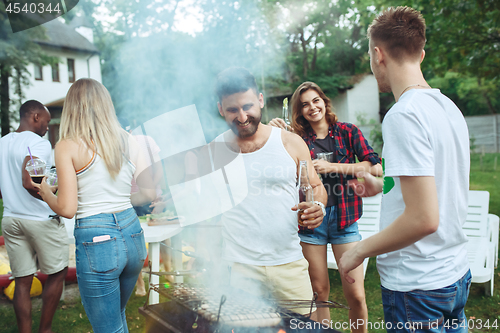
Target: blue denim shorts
[[439, 310], [327, 232]]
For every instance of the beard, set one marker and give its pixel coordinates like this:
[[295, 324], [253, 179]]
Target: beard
[[248, 131], [383, 87], [382, 82]]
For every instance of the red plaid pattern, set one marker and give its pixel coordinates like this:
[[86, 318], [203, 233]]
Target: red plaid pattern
[[350, 143]]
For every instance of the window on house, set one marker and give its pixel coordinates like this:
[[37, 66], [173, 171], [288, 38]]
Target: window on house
[[71, 70], [55, 72], [38, 72]]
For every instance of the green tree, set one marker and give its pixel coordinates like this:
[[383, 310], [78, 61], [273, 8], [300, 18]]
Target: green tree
[[17, 52], [467, 93], [108, 38], [324, 40], [150, 67], [463, 36]]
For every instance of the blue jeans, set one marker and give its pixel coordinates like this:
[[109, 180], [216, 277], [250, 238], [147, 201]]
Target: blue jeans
[[439, 310], [107, 270], [327, 232]]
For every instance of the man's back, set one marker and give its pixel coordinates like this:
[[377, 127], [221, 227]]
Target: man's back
[[16, 200], [425, 134]]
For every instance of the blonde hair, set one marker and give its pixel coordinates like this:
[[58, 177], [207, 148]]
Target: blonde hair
[[88, 116], [300, 125]]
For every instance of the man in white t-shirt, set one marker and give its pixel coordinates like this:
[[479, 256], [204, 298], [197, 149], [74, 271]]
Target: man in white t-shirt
[[33, 237], [421, 248]]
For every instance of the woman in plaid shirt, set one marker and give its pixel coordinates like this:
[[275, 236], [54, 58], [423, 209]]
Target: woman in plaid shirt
[[313, 119]]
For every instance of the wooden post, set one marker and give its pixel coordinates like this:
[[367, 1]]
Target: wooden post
[[495, 164]]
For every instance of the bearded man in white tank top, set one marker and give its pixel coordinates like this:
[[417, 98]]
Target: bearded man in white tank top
[[260, 234]]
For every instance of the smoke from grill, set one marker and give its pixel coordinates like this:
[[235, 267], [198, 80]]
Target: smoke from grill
[[162, 81]]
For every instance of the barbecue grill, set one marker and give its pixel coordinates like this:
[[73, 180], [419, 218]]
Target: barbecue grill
[[197, 309]]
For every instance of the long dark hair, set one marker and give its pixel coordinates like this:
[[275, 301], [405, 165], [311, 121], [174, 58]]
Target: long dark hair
[[300, 125]]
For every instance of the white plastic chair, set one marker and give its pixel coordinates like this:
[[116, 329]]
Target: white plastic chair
[[368, 225], [493, 224], [480, 248], [476, 224]]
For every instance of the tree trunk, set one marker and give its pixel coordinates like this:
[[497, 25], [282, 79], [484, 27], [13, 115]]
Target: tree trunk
[[4, 99], [315, 54], [305, 63], [490, 105], [491, 109]]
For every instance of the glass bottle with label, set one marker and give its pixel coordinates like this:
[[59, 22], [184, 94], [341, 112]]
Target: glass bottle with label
[[305, 195]]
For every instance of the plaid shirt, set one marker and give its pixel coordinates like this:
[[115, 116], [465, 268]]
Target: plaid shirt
[[349, 143]]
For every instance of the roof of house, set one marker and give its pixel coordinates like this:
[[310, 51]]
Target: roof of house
[[283, 91], [62, 36], [80, 21], [355, 79]]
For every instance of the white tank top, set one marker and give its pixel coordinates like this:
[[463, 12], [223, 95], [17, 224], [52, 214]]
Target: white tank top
[[262, 229], [98, 192]]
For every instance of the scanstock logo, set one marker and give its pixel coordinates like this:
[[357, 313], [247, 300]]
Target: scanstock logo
[[205, 180], [25, 14]]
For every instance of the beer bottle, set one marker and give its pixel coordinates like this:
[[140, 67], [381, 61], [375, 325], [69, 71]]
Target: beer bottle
[[305, 195]]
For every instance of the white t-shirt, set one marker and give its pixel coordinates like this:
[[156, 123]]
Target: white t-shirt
[[425, 134], [17, 201]]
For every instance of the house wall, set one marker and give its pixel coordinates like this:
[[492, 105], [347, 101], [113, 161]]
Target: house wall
[[362, 100], [47, 91], [341, 107]]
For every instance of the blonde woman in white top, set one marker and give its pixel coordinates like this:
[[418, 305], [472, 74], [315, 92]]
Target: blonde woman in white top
[[96, 161]]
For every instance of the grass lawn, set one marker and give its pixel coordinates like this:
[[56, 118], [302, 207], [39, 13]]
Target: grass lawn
[[71, 316], [483, 177]]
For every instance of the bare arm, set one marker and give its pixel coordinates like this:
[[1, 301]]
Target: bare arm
[[65, 203], [280, 123], [297, 148], [349, 169], [414, 224], [370, 162], [365, 185]]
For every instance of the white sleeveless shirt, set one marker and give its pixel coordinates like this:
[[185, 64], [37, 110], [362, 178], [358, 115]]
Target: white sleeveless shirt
[[98, 192], [262, 229]]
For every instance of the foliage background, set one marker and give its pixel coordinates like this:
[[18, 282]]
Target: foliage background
[[151, 65]]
